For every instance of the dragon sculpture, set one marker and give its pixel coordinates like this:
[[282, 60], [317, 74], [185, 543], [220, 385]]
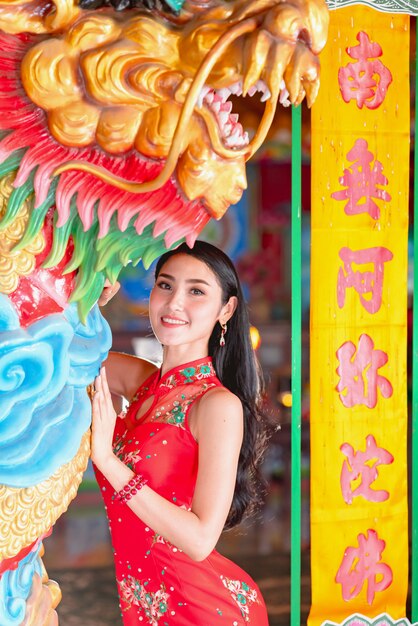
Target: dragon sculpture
[[117, 141]]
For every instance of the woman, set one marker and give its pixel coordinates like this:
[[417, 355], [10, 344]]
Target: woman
[[181, 463]]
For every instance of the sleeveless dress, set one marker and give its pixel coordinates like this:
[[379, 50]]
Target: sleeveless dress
[[157, 583]]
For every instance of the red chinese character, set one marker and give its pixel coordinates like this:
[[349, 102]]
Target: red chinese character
[[358, 373], [367, 80], [362, 181], [363, 564], [358, 466], [370, 282]]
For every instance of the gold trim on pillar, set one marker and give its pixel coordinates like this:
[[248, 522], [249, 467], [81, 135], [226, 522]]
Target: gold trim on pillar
[[14, 264], [26, 514]]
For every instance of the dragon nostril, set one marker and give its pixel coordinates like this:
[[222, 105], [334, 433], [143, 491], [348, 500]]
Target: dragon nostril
[[305, 36]]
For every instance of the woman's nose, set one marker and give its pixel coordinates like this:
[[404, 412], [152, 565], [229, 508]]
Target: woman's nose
[[177, 300]]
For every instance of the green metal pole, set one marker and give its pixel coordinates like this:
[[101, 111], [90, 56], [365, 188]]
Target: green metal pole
[[414, 464], [295, 509]]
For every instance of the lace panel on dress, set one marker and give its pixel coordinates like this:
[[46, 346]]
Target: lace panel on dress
[[174, 406]]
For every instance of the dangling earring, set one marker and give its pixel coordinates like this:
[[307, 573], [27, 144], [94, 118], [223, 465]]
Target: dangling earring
[[223, 332]]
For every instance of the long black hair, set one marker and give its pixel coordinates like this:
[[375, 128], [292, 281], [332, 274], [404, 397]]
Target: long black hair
[[237, 369]]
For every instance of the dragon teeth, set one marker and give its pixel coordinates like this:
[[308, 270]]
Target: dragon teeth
[[284, 98], [223, 117], [266, 95], [235, 87], [217, 100], [216, 106], [224, 94]]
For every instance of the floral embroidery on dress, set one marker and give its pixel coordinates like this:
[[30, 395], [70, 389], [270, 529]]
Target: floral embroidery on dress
[[171, 382], [177, 414], [119, 444], [154, 604], [243, 595], [129, 458], [160, 539], [189, 375]]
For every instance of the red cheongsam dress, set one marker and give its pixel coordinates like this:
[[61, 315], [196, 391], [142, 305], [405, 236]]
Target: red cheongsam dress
[[158, 584]]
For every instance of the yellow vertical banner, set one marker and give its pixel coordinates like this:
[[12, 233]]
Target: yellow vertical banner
[[360, 182]]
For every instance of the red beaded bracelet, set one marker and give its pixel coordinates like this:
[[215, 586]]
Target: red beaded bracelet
[[131, 488]]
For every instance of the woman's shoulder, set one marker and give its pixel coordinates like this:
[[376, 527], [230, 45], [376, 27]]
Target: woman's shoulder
[[219, 401], [218, 413], [220, 394]]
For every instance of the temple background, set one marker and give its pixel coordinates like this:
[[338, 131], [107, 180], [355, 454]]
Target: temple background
[[256, 234]]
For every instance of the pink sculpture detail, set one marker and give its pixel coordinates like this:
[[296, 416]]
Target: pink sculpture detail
[[367, 282], [367, 79], [361, 181], [359, 373], [357, 466]]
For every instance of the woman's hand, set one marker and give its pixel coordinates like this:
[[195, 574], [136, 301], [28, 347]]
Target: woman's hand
[[108, 292], [103, 424]]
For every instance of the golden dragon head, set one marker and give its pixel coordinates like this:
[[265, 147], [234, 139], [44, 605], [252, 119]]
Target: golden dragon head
[[164, 86]]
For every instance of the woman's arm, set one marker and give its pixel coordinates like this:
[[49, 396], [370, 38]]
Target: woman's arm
[[126, 372], [218, 425]]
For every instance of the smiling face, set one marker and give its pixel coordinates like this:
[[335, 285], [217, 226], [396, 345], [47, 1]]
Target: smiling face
[[186, 303]]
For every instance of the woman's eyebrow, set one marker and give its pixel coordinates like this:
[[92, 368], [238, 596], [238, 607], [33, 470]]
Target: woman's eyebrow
[[197, 280], [166, 276], [189, 280]]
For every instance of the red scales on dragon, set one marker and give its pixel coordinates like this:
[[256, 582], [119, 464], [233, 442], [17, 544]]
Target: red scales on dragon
[[118, 140]]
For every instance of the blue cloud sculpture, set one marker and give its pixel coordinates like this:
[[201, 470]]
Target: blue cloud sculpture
[[44, 406]]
